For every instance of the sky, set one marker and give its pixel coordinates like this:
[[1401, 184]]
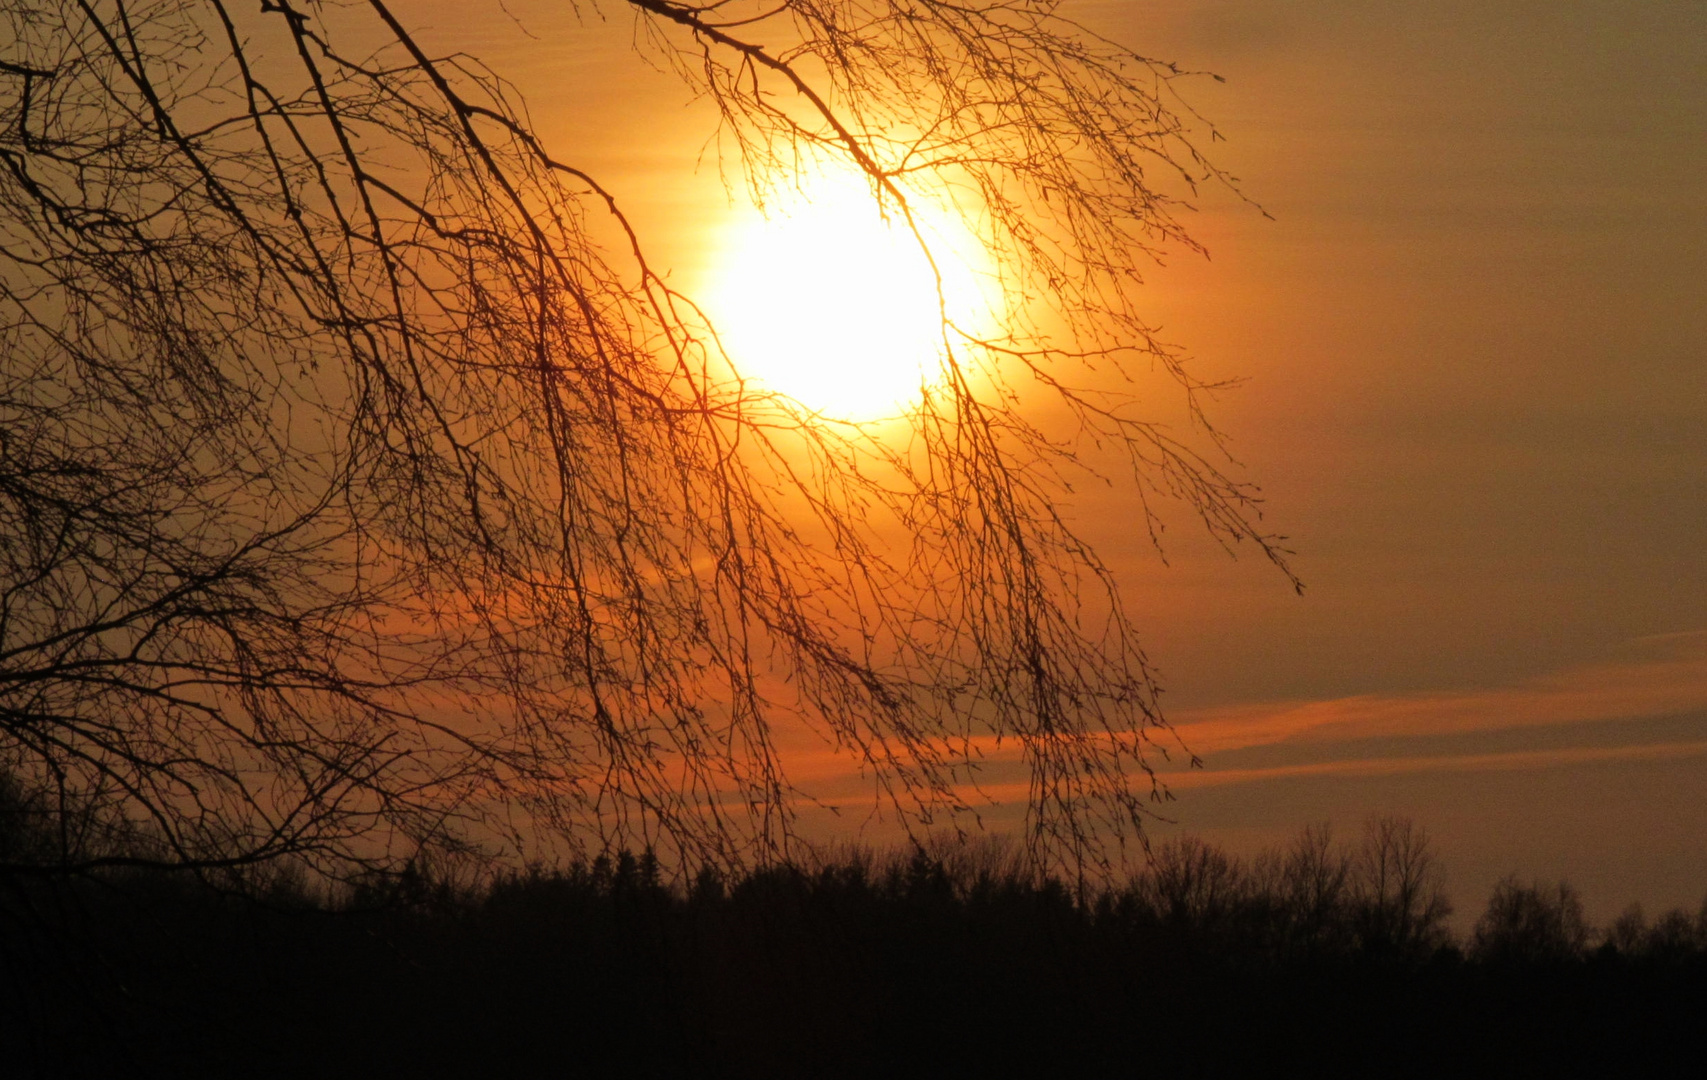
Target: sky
[[1473, 333], [1478, 403]]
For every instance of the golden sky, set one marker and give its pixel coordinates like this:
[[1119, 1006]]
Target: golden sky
[[1474, 333]]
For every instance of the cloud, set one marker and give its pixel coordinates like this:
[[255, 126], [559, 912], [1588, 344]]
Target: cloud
[[1394, 766], [1667, 676], [1656, 677]]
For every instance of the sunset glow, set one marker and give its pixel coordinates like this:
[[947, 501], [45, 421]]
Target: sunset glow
[[827, 301]]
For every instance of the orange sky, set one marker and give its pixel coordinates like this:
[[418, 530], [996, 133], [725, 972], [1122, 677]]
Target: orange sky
[[1477, 401]]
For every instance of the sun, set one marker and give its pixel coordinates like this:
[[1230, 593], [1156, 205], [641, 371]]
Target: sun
[[827, 301]]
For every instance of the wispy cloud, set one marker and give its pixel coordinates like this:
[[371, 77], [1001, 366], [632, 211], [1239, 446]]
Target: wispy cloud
[[1391, 735], [1668, 675], [1397, 765]]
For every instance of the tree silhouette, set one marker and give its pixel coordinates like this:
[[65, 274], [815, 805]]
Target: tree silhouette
[[1531, 924], [1400, 898], [356, 503], [1311, 883], [1193, 885]]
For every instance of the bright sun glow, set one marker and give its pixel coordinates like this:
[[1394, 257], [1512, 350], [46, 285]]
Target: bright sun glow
[[830, 304]]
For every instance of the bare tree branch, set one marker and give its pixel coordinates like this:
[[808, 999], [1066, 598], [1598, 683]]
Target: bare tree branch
[[356, 503]]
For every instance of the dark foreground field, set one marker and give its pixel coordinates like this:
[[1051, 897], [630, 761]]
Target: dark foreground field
[[861, 966]]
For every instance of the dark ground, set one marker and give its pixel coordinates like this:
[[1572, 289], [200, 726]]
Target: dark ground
[[902, 969]]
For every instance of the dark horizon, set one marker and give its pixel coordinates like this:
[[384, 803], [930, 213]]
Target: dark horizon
[[906, 964]]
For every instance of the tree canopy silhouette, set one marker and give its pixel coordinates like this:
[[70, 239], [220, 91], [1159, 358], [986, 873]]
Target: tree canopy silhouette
[[356, 501]]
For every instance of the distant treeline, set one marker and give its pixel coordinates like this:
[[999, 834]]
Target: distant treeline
[[950, 960]]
